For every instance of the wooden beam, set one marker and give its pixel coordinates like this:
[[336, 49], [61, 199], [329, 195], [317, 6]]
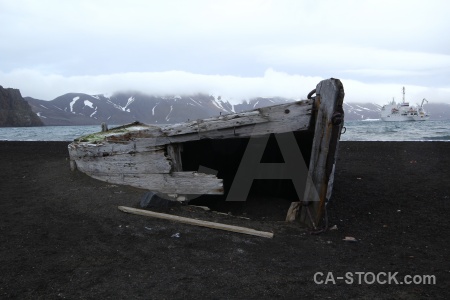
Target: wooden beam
[[293, 211], [135, 163], [328, 106], [174, 152], [280, 118], [183, 183], [195, 222], [287, 117]]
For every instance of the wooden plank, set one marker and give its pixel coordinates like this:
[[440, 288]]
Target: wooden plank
[[184, 183], [174, 153], [122, 133], [281, 118], [221, 226], [220, 122], [288, 117], [73, 165], [135, 163], [78, 150]]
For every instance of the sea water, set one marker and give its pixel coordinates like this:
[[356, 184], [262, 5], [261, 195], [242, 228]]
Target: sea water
[[46, 133], [377, 130], [371, 130]]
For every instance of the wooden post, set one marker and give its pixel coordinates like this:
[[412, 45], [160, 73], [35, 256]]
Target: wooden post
[[329, 117], [174, 152], [73, 165]]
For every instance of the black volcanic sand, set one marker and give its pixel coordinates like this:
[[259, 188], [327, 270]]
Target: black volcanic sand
[[62, 236]]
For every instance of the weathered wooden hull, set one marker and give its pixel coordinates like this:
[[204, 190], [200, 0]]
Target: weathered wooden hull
[[161, 158], [144, 156]]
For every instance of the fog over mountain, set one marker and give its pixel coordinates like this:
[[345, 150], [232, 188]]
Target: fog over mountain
[[126, 107], [120, 108]]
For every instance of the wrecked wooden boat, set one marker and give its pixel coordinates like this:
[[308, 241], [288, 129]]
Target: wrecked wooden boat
[[223, 155]]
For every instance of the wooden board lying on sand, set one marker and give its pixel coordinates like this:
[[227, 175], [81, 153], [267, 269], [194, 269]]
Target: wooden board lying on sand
[[195, 222]]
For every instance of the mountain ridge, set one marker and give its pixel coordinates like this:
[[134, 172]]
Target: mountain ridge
[[84, 109], [127, 107], [15, 111]]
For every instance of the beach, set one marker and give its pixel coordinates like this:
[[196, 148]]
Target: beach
[[62, 236]]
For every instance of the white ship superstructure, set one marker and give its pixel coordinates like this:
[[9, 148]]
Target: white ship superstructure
[[396, 112]]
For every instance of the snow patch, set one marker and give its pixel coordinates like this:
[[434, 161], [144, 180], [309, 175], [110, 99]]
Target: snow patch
[[122, 108], [218, 104], [43, 106], [167, 117], [95, 111], [130, 100], [255, 104], [89, 103], [195, 101], [72, 103], [153, 109], [41, 116], [363, 107]]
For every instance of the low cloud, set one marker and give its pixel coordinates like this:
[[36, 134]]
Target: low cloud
[[271, 84]]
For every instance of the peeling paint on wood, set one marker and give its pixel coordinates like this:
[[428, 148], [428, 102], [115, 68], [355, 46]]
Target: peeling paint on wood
[[173, 183]]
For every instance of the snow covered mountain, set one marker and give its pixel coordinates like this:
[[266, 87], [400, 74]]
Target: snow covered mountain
[[121, 108], [361, 111]]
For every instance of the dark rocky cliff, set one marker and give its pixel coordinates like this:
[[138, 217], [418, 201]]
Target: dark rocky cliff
[[15, 111]]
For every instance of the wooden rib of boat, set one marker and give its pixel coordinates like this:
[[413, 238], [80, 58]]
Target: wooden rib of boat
[[202, 157]]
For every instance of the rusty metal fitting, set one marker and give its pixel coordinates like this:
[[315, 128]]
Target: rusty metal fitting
[[311, 93], [336, 119]]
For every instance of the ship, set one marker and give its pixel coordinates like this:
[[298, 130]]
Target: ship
[[398, 112]]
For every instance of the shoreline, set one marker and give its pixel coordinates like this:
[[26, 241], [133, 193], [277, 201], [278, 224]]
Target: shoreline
[[355, 131]]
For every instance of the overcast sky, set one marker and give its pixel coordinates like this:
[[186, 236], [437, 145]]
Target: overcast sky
[[237, 49]]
